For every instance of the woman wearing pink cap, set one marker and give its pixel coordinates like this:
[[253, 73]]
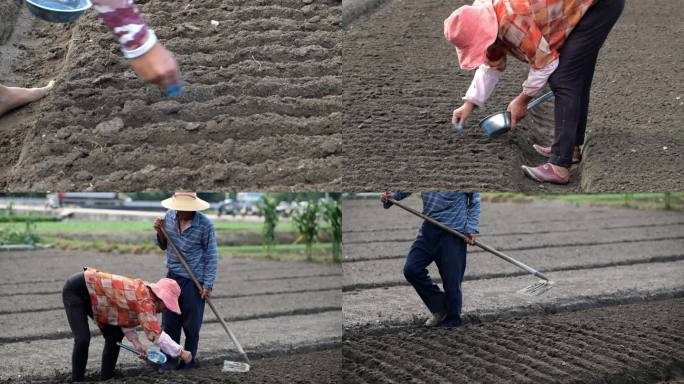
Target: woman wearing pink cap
[[559, 39], [118, 305]]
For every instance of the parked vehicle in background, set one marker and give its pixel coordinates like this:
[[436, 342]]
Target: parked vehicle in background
[[284, 209], [87, 199], [228, 207], [249, 202]]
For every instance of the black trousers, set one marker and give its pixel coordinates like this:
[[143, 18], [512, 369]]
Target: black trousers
[[78, 308], [571, 81]]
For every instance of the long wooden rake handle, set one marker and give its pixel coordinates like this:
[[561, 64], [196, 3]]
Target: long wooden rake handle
[[462, 236], [199, 286]]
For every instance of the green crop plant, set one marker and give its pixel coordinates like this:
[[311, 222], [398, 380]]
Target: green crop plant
[[305, 220], [268, 209], [332, 212]]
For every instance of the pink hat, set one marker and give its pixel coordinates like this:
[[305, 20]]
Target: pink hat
[[168, 291], [471, 29]]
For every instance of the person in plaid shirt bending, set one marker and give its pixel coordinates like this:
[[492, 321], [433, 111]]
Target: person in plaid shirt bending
[[118, 304], [460, 211], [559, 39]]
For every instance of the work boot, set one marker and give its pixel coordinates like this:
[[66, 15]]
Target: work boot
[[546, 152], [170, 365], [451, 322], [436, 318], [545, 174], [192, 365]]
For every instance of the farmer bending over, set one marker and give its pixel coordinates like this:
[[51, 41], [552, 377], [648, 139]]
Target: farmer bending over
[[193, 234], [148, 58], [559, 39], [118, 305], [460, 211]]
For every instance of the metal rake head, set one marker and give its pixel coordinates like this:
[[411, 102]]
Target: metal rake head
[[234, 366], [538, 288]]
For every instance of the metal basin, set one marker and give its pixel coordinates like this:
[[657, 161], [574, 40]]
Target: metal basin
[[58, 11], [497, 124]]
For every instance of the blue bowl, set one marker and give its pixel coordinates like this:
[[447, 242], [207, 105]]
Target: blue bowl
[[155, 356], [58, 11]]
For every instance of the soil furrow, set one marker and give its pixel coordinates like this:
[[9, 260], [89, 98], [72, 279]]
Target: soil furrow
[[600, 345]]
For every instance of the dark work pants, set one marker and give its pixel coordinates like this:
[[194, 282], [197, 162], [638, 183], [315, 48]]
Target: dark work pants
[[449, 253], [78, 308], [190, 319], [571, 81]]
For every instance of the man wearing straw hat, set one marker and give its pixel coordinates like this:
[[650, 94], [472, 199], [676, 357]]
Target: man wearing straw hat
[[118, 304], [193, 233]]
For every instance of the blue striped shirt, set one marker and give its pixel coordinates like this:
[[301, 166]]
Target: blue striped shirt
[[458, 210], [197, 244]]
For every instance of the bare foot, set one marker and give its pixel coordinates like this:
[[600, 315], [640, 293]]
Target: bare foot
[[13, 97]]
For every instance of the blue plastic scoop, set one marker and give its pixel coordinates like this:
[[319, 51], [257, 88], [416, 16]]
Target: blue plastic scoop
[[153, 355], [175, 90], [499, 123]]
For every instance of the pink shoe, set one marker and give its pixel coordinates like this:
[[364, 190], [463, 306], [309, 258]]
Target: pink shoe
[[546, 152], [545, 174]]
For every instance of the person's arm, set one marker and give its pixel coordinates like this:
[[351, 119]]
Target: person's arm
[[485, 80], [210, 258], [473, 224], [125, 22], [537, 79], [153, 332], [148, 57], [160, 239]]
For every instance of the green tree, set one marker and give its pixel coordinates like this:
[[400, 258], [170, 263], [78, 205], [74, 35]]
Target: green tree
[[306, 221], [332, 212], [268, 210]]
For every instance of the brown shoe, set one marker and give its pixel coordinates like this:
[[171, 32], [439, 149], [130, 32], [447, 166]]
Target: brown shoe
[[545, 174], [546, 152]]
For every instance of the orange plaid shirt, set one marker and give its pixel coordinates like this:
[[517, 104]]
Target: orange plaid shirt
[[122, 301], [534, 30]]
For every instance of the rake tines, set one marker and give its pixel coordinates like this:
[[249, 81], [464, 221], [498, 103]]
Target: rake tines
[[538, 288]]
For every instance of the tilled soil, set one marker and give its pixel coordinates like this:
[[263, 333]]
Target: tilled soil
[[262, 107], [402, 81], [638, 343], [313, 367]]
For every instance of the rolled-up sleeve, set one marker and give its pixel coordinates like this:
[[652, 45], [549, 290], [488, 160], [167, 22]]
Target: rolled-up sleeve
[[473, 224], [125, 22], [210, 257]]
